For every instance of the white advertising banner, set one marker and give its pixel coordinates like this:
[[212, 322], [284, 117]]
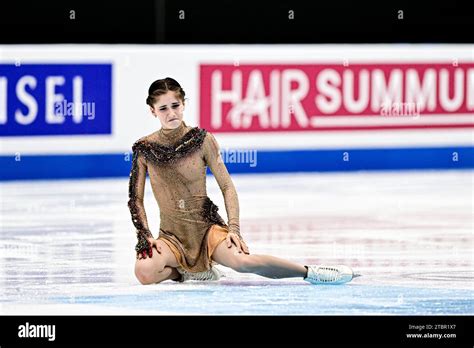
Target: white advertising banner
[[73, 99]]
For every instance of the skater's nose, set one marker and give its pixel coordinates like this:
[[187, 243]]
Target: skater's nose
[[172, 117]]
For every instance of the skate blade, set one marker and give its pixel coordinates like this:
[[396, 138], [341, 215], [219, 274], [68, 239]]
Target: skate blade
[[356, 275]]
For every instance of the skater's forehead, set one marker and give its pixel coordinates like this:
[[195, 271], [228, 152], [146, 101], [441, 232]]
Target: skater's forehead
[[169, 98]]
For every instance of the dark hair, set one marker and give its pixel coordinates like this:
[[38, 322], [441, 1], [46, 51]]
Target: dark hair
[[162, 86]]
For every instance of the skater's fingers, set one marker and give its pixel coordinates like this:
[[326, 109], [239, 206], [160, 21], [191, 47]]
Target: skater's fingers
[[245, 248], [156, 245], [228, 239], [237, 243], [231, 240]]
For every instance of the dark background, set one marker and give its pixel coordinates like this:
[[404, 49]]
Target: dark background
[[235, 331], [242, 21]]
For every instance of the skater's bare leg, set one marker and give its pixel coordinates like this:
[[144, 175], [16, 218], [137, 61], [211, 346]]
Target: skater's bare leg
[[160, 267], [264, 265]]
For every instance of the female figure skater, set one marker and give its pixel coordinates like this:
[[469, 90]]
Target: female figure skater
[[192, 234]]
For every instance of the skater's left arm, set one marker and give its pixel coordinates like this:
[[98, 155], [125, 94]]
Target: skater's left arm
[[214, 160]]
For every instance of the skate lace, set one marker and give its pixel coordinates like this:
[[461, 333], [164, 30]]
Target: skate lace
[[328, 274]]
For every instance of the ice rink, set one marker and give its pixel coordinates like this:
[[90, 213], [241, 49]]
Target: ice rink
[[67, 247]]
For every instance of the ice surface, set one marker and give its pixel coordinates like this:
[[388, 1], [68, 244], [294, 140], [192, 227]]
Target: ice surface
[[67, 247]]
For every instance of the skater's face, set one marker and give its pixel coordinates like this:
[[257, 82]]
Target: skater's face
[[168, 108]]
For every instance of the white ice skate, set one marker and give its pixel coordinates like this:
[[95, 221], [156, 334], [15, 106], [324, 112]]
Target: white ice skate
[[209, 275], [325, 274]]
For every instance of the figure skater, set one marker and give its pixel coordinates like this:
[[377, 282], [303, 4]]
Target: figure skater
[[193, 237]]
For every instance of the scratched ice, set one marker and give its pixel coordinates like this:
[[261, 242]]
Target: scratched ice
[[66, 247]]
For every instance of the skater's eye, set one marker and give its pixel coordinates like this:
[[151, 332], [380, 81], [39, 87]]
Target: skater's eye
[[174, 106]]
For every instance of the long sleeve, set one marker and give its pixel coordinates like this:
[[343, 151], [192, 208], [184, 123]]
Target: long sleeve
[[214, 160], [136, 193]]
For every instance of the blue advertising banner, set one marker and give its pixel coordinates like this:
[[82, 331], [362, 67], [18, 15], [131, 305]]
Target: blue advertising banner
[[55, 99]]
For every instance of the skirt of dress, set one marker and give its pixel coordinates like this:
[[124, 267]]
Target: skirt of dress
[[215, 236]]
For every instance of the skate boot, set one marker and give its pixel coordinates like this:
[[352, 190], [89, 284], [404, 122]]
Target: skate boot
[[326, 274], [210, 275]]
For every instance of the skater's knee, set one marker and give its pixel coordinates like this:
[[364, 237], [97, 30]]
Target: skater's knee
[[145, 278], [146, 271], [143, 274]]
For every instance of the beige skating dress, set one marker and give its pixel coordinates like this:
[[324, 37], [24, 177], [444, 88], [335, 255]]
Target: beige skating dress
[[176, 162]]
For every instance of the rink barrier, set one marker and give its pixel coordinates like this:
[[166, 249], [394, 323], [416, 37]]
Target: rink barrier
[[83, 166]]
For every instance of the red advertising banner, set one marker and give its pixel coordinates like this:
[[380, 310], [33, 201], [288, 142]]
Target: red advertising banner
[[295, 97]]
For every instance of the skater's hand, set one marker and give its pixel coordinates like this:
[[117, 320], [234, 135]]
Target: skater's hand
[[144, 245], [239, 243], [155, 244]]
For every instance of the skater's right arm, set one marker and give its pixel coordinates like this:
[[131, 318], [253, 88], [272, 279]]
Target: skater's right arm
[[135, 204]]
